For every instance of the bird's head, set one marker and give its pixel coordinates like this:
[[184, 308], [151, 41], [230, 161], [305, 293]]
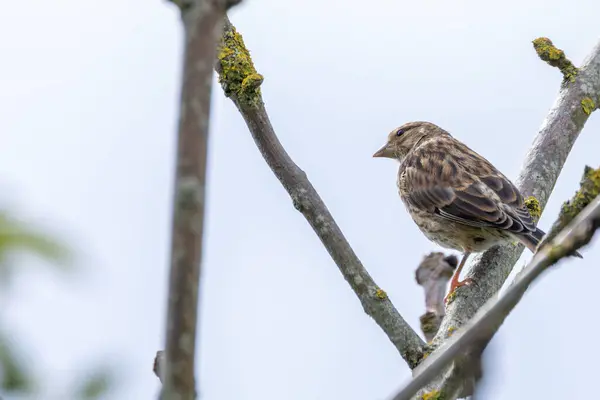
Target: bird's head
[[403, 139]]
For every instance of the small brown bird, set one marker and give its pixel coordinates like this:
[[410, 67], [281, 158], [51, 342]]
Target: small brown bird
[[456, 197]]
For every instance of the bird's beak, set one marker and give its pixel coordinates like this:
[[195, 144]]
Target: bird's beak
[[381, 152]]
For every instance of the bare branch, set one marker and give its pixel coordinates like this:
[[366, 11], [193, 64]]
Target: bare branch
[[241, 84], [537, 178], [433, 273], [489, 318], [203, 25]]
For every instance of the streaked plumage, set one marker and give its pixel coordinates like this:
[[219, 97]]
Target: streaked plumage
[[456, 197]]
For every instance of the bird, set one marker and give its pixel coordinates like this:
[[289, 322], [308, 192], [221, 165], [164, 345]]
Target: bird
[[456, 197]]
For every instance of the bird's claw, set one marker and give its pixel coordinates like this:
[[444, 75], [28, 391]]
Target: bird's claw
[[454, 286]]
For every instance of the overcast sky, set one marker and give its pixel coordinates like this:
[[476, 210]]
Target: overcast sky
[[89, 93]]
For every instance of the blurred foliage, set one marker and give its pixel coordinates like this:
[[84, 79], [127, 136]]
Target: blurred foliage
[[95, 385], [15, 237], [16, 379]]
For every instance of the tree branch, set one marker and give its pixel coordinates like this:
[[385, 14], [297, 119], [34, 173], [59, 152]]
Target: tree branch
[[489, 318], [202, 21], [241, 83]]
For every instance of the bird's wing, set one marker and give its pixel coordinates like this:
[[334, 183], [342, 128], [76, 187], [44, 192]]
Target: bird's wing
[[459, 190]]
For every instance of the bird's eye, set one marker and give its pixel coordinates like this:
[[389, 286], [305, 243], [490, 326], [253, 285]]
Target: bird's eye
[[399, 132]]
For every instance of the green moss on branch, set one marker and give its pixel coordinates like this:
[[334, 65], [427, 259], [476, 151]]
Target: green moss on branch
[[237, 74], [554, 56]]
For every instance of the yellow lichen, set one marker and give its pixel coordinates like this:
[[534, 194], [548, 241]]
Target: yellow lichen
[[451, 330], [554, 56], [430, 323], [433, 395], [534, 208], [588, 105], [451, 296], [381, 294], [251, 82], [236, 70], [589, 189], [555, 253]]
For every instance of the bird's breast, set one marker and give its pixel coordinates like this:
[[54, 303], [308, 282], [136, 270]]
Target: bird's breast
[[453, 235]]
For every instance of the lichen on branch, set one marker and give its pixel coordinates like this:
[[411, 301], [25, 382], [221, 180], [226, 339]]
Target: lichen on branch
[[433, 395], [589, 189], [588, 105], [554, 56], [534, 207], [237, 74]]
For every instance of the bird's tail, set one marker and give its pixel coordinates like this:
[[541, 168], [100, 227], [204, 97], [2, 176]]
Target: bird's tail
[[532, 240]]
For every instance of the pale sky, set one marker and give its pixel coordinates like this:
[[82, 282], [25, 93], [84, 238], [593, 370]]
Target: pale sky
[[89, 94]]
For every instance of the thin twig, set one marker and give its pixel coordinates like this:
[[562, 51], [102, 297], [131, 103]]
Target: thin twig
[[241, 84], [489, 318]]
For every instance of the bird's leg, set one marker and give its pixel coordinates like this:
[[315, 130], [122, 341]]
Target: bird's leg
[[455, 283]]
